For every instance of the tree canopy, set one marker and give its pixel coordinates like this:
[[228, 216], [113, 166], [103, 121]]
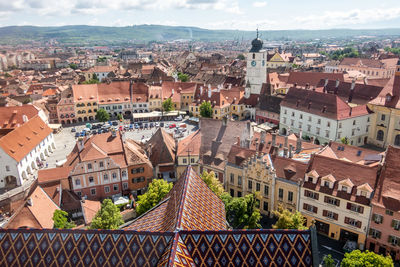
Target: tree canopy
[[356, 258], [328, 261], [289, 220], [102, 115], [168, 105], [183, 77], [60, 219], [241, 57], [73, 66], [342, 53], [157, 190], [242, 212], [108, 217], [206, 109]]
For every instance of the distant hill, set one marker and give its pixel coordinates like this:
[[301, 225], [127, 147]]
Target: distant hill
[[83, 34]]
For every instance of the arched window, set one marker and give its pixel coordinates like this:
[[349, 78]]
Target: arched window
[[397, 140], [114, 175], [254, 56], [379, 135]]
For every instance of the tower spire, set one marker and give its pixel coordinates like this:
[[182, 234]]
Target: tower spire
[[257, 32]]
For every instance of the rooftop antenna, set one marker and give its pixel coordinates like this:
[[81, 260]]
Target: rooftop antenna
[[257, 31]]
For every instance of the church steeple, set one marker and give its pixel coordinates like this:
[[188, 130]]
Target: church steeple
[[256, 44]]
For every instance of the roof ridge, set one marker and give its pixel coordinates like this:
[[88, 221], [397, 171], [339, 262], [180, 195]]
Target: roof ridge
[[183, 198]]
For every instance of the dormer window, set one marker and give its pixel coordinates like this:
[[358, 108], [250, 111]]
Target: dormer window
[[363, 193], [344, 188], [388, 98], [326, 183]]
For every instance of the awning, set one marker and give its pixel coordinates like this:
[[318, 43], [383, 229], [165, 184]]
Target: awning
[[55, 126]]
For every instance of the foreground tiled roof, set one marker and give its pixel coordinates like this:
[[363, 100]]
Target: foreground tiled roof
[[190, 205], [31, 247]]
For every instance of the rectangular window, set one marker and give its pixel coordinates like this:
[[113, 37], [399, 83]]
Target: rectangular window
[[280, 193], [332, 201], [355, 208], [290, 196], [330, 214], [250, 185], [383, 117], [93, 191], [265, 206], [91, 180], [308, 128], [310, 208], [328, 124], [311, 194], [79, 193], [375, 233], [115, 187], [125, 186], [107, 189], [77, 182], [239, 194], [301, 116], [318, 130], [394, 240], [396, 224], [266, 190], [7, 168], [89, 166], [319, 121], [184, 161], [309, 118], [101, 164], [232, 178], [389, 212], [258, 187], [239, 180], [191, 160], [352, 222], [377, 218], [340, 125]]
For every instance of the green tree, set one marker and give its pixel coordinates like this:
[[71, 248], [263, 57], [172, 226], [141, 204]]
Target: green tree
[[119, 116], [158, 189], [102, 115], [183, 77], [213, 183], [108, 217], [241, 57], [328, 261], [356, 258], [168, 105], [7, 75], [73, 66], [242, 212], [60, 219], [289, 220], [27, 101], [344, 140], [206, 109], [94, 77]]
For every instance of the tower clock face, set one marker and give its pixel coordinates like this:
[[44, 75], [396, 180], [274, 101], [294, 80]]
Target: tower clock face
[[253, 63]]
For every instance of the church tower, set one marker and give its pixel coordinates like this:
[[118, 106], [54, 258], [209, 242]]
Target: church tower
[[256, 66]]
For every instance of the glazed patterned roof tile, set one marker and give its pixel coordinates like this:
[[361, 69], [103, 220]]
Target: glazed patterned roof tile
[[190, 205]]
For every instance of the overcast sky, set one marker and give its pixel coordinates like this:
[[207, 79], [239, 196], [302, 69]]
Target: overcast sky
[[211, 14]]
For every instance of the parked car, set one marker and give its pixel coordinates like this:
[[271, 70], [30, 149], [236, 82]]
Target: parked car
[[115, 123], [173, 125], [182, 125], [146, 125], [136, 126], [161, 124], [73, 130], [151, 125], [77, 134], [130, 126], [179, 118]]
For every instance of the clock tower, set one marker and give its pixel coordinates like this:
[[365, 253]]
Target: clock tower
[[256, 69]]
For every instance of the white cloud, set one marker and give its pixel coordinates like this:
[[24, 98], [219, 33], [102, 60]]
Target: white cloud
[[243, 24], [351, 17], [259, 4]]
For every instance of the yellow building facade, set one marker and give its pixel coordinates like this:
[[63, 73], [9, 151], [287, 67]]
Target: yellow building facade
[[385, 126]]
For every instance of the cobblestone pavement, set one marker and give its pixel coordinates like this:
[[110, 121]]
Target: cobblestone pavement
[[65, 140]]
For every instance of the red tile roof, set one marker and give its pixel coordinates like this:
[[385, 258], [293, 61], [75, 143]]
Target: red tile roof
[[89, 210], [53, 174], [322, 104], [162, 148], [312, 78], [391, 89], [85, 92], [12, 117], [19, 142], [388, 189]]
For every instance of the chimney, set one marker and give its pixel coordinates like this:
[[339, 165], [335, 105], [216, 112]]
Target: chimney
[[326, 82], [337, 83], [238, 140], [312, 139], [80, 143], [24, 118], [262, 138], [225, 121], [330, 142], [298, 143], [295, 85], [353, 84], [113, 133], [351, 110], [273, 139], [307, 86], [29, 201], [290, 151], [285, 152], [276, 150]]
